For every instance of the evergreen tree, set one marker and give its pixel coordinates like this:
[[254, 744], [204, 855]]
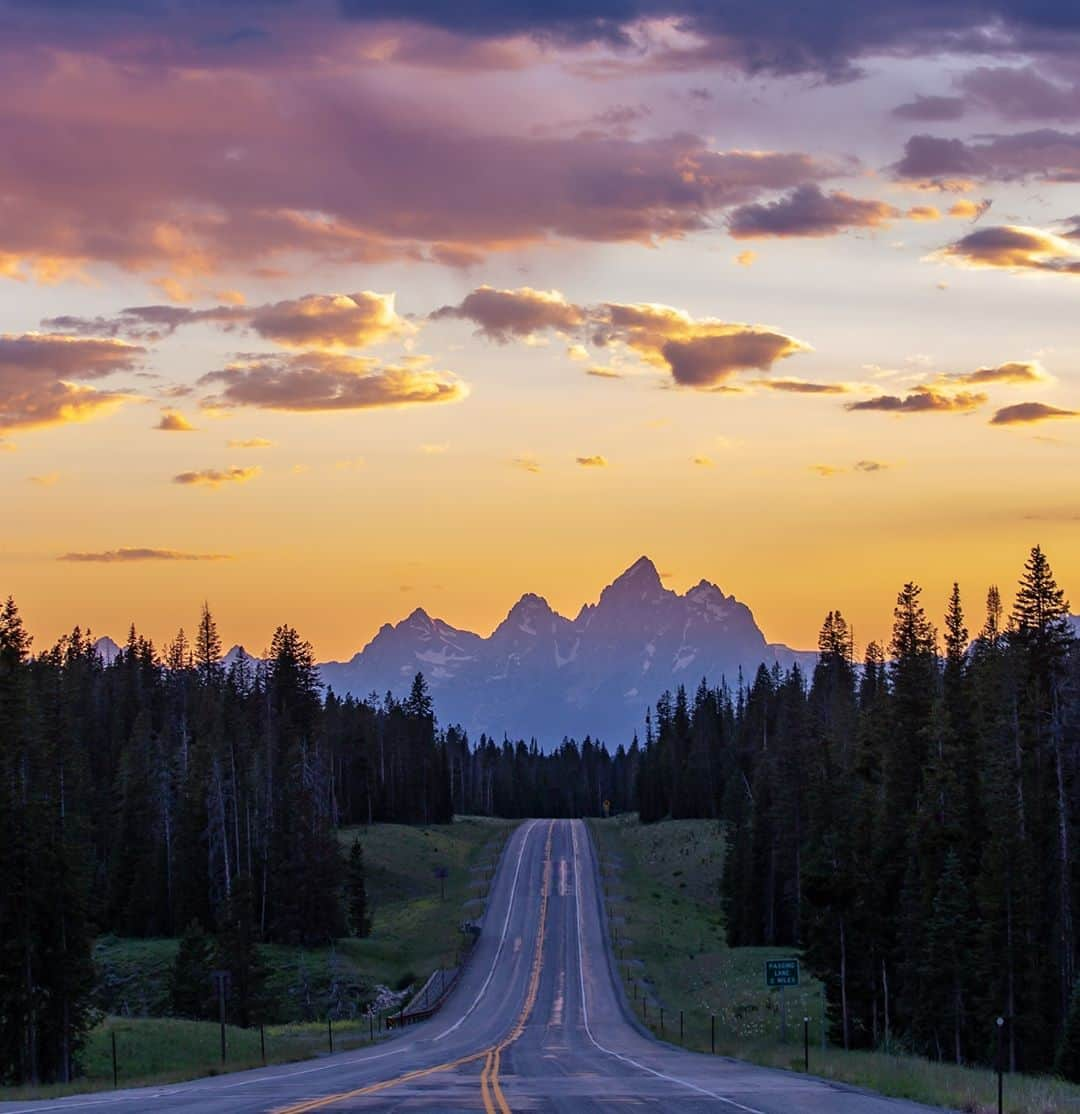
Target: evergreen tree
[[239, 954], [191, 992], [356, 892]]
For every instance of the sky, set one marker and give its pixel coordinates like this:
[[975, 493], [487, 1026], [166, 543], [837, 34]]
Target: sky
[[320, 312]]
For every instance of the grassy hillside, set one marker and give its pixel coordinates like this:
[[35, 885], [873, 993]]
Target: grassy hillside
[[662, 883], [414, 931]]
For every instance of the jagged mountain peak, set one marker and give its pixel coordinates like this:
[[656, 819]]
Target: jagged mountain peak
[[639, 582], [544, 675]]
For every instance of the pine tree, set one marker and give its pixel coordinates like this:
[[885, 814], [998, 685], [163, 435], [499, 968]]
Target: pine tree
[[356, 892], [239, 954], [191, 993]]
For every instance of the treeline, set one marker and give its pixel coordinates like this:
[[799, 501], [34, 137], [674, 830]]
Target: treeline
[[166, 794], [910, 821], [164, 791], [517, 779]]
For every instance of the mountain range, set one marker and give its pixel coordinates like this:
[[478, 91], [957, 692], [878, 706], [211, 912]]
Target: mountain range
[[540, 674]]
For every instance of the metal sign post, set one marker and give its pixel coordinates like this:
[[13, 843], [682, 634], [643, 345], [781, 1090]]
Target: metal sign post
[[782, 973], [221, 981]]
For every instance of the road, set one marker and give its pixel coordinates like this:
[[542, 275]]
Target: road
[[537, 1023]]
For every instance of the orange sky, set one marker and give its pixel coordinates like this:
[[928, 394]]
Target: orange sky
[[352, 318]]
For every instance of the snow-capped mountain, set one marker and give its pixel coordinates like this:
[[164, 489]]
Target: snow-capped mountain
[[541, 674]]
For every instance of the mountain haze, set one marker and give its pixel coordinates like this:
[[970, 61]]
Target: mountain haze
[[544, 675]]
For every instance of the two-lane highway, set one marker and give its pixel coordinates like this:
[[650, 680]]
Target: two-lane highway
[[538, 1023]]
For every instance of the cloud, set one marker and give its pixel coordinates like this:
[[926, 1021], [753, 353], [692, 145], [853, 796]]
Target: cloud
[[124, 555], [969, 209], [185, 181], [801, 387], [1046, 154], [922, 400], [1021, 93], [313, 381], [436, 449], [1017, 371], [172, 422], [746, 258], [783, 37], [49, 479], [708, 360], [1014, 248], [603, 371], [702, 352], [923, 213], [502, 315], [702, 461], [808, 211], [213, 477], [328, 322], [931, 109], [865, 466], [250, 443], [1025, 413], [36, 373], [526, 463], [592, 461]]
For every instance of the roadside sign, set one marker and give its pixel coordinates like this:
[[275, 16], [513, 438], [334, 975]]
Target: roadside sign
[[781, 972]]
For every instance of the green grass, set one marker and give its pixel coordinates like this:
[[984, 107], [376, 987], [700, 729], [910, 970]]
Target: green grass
[[664, 881], [157, 1050], [414, 931]]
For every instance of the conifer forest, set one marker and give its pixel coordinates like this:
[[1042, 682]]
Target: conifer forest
[[907, 816]]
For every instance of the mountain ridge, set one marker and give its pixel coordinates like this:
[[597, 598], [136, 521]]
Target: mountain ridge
[[541, 674]]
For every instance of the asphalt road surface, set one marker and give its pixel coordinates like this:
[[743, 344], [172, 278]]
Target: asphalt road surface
[[537, 1023]]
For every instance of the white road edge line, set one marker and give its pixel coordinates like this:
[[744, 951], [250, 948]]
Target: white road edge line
[[181, 1089], [585, 1008], [502, 939]]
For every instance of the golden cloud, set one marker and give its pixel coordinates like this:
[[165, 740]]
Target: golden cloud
[[36, 370], [1015, 371], [125, 555], [802, 387], [502, 315], [809, 212], [701, 353], [250, 443], [592, 461], [922, 400], [330, 322], [1014, 248], [314, 381], [213, 477], [172, 422], [1026, 413]]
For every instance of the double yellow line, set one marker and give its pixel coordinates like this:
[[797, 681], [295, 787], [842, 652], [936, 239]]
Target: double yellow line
[[490, 1089]]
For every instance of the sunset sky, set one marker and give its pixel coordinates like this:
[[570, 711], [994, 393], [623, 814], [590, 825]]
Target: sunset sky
[[321, 312]]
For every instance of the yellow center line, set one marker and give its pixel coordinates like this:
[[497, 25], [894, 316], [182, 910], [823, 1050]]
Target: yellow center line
[[489, 1077], [534, 982], [485, 1093]]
